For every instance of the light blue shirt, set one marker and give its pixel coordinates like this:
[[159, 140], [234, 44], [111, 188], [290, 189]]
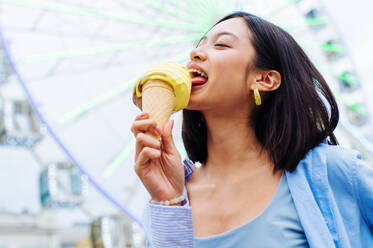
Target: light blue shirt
[[332, 190], [277, 224]]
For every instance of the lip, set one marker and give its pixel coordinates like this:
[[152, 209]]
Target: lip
[[193, 65], [197, 86]]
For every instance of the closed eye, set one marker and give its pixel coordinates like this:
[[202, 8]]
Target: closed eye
[[221, 45]]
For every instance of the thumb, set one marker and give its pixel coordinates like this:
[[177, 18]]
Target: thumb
[[167, 139]]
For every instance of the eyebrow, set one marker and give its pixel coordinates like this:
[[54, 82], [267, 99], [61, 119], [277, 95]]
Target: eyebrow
[[219, 34]]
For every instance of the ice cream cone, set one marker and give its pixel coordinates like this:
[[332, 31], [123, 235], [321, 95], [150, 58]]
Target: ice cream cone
[[162, 90], [158, 99]]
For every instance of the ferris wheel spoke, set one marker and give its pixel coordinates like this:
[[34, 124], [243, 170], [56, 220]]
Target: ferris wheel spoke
[[108, 49], [278, 9], [111, 63], [100, 14], [168, 10], [349, 78], [53, 33], [327, 47], [80, 110], [309, 23], [119, 159], [193, 7], [182, 57]]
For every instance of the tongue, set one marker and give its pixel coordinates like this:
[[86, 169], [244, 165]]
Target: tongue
[[198, 80]]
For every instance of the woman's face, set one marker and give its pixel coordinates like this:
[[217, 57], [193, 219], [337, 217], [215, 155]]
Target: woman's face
[[225, 54]]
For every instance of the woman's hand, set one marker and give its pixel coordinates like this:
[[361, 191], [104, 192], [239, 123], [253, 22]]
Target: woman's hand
[[157, 163]]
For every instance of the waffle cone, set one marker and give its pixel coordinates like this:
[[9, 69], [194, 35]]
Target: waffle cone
[[158, 99]]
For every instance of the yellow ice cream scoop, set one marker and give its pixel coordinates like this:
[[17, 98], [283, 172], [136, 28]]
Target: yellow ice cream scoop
[[163, 89]]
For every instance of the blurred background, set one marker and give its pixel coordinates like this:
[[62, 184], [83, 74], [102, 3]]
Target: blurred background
[[66, 73]]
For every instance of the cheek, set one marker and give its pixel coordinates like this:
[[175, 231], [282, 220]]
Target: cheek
[[227, 84], [231, 72], [232, 64]]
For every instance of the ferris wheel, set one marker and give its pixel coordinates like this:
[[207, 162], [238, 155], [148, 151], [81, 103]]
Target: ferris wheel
[[67, 70]]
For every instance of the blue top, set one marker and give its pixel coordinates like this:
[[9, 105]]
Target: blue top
[[332, 190], [277, 224]]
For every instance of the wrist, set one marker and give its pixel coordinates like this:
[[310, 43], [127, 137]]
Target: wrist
[[177, 201]]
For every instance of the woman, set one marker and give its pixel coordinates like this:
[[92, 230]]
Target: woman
[[270, 177]]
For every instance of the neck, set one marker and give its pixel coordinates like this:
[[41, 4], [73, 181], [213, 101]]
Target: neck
[[232, 145]]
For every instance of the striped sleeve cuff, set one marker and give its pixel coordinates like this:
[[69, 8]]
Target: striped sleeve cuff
[[171, 226]]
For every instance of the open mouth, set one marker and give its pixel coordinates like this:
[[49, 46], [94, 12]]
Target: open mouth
[[198, 77]]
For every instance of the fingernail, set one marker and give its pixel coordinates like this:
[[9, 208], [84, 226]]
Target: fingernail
[[143, 114]]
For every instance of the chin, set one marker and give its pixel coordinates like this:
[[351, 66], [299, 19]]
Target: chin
[[191, 107], [197, 106]]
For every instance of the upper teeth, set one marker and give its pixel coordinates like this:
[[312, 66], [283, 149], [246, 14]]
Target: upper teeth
[[199, 72]]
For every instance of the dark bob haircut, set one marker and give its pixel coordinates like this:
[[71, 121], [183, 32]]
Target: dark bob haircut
[[292, 119]]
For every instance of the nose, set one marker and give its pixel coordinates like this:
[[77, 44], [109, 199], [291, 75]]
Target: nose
[[197, 55]]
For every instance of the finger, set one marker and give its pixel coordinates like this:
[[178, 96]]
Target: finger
[[147, 125], [168, 143], [143, 140], [142, 116], [145, 155]]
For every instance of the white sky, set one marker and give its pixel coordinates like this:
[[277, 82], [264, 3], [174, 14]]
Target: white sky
[[355, 20]]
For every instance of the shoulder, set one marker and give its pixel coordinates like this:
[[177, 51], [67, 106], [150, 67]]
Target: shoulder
[[348, 173], [329, 164], [333, 158], [341, 156], [339, 167]]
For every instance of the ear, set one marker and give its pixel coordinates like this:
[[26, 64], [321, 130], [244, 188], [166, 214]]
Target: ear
[[267, 81]]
